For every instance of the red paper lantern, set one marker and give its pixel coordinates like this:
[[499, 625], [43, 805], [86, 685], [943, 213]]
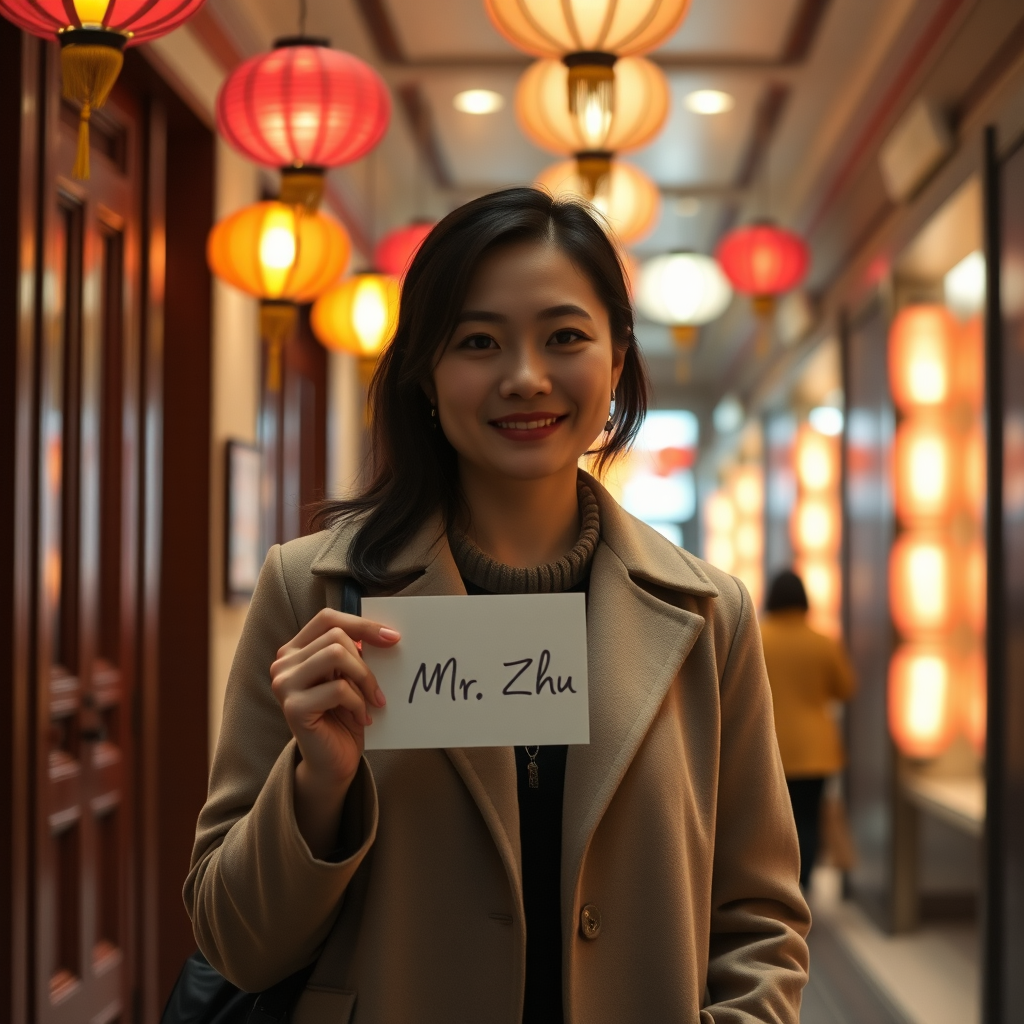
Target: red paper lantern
[[136, 20], [92, 36], [763, 260], [395, 251], [303, 107]]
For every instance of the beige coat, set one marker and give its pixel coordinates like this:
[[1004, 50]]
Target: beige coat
[[677, 831]]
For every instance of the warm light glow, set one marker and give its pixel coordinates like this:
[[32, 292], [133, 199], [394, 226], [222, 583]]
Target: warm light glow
[[920, 352], [747, 490], [922, 705], [924, 470], [751, 575], [749, 542], [974, 701], [815, 526], [817, 461], [270, 252], [554, 28], [637, 113], [821, 582], [975, 576], [719, 551], [709, 101], [683, 288], [964, 286], [719, 514], [920, 591], [628, 199], [827, 420], [359, 315], [478, 101], [969, 364]]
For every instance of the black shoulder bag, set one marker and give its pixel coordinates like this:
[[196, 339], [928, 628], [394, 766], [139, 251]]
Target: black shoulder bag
[[202, 995]]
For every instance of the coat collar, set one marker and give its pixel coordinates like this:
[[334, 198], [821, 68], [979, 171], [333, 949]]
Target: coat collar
[[636, 644], [645, 554]]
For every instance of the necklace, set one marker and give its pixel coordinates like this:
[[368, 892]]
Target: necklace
[[532, 771]]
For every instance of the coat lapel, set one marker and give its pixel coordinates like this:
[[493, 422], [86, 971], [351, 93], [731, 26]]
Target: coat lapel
[[489, 773], [636, 646]]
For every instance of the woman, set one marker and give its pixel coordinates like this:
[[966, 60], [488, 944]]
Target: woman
[[650, 875], [808, 674]]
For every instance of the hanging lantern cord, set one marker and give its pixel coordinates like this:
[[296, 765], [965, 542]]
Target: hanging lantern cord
[[90, 61], [302, 17]]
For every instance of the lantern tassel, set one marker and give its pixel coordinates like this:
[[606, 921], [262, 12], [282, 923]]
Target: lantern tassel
[[90, 61]]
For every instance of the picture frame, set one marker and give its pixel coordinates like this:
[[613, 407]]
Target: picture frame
[[243, 547]]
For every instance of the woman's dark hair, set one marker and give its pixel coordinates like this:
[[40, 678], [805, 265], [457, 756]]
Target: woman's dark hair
[[786, 592], [414, 470]]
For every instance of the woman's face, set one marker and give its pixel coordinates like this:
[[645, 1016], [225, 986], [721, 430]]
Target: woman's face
[[523, 386]]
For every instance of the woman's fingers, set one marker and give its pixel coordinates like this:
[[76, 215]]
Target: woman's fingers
[[354, 626], [304, 708], [331, 662]]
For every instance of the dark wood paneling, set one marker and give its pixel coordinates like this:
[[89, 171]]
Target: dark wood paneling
[[1004, 932], [19, 84]]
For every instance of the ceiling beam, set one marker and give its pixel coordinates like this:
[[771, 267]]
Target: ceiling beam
[[424, 132]]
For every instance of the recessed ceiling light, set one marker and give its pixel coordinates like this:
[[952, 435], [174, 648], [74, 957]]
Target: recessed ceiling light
[[479, 101], [710, 101]]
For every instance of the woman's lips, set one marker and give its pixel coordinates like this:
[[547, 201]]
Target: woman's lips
[[531, 426]]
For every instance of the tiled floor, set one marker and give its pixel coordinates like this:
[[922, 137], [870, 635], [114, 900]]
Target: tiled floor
[[859, 975]]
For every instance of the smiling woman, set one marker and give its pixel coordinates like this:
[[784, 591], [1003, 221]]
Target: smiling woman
[[648, 875]]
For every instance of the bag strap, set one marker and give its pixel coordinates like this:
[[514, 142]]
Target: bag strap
[[344, 595]]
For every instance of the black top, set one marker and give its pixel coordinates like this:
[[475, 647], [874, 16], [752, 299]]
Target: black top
[[540, 841]]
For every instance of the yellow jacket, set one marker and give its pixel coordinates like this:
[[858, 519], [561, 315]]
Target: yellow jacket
[[807, 673]]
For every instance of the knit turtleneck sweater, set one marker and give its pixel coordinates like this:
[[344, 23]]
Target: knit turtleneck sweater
[[564, 574]]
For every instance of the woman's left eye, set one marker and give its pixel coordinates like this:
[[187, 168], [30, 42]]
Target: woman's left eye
[[567, 336]]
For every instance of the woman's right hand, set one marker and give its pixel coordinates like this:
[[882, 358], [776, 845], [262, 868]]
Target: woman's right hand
[[325, 690]]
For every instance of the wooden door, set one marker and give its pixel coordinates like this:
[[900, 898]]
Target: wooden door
[[293, 434], [82, 853]]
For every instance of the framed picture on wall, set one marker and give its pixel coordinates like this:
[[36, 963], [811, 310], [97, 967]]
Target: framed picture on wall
[[243, 550]]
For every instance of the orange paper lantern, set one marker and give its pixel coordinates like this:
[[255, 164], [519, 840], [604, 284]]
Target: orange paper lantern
[[815, 526], [817, 460], [925, 469], [921, 342], [359, 315], [969, 363], [921, 594], [922, 700], [641, 106], [629, 200], [554, 28], [822, 583], [271, 251]]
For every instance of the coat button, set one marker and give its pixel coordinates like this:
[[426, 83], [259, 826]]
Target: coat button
[[590, 921]]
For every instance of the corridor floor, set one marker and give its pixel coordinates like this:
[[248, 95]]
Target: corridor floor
[[859, 975]]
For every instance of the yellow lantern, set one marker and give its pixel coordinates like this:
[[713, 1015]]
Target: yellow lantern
[[283, 256], [816, 526], [640, 108], [359, 315], [554, 28], [273, 251], [921, 342], [628, 199]]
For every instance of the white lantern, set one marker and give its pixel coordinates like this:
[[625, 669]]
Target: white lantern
[[683, 290]]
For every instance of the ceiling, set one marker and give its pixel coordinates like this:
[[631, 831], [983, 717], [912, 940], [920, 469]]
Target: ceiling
[[817, 85]]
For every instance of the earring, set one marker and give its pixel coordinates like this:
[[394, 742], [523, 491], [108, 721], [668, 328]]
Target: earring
[[433, 416], [611, 414]]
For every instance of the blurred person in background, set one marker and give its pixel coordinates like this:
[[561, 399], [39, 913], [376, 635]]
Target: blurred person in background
[[808, 673]]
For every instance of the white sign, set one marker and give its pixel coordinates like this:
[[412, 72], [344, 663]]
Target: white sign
[[480, 671]]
